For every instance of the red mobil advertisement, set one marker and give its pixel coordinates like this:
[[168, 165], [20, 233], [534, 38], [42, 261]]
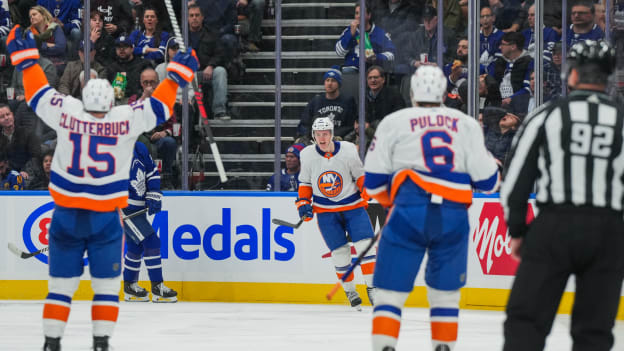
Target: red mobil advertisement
[[492, 241]]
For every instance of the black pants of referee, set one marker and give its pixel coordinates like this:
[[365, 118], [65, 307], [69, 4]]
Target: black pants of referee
[[586, 242]]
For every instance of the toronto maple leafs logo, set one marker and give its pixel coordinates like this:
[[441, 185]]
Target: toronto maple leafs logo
[[138, 183]]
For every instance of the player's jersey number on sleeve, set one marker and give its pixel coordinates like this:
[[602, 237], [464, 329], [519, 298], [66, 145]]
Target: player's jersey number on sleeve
[[437, 151], [106, 159]]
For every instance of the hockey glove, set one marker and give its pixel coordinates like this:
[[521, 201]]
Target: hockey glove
[[23, 51], [305, 209], [183, 66], [153, 200]]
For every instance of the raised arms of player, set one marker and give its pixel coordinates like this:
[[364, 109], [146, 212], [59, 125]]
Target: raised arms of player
[[24, 56]]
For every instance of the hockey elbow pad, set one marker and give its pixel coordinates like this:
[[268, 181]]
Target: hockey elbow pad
[[305, 209]]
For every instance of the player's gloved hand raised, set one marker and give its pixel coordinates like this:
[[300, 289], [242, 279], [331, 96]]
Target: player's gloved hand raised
[[23, 51], [305, 209], [183, 66], [153, 200]]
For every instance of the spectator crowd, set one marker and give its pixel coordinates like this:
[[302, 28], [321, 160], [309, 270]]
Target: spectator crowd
[[132, 40]]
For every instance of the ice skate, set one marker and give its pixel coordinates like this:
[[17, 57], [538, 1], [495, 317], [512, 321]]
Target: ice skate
[[100, 343], [354, 299], [134, 293], [52, 344], [162, 293], [371, 291]]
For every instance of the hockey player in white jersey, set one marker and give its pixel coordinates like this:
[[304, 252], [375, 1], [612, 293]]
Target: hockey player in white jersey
[[89, 181], [331, 181], [424, 162]]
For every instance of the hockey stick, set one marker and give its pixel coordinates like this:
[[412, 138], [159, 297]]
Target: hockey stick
[[346, 275], [199, 97], [287, 224], [134, 214], [13, 248], [22, 254]]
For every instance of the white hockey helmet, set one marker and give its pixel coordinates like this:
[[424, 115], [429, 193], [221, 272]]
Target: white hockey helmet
[[322, 123], [98, 96], [428, 84]]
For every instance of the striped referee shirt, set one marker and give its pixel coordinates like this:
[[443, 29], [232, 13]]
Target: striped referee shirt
[[571, 151]]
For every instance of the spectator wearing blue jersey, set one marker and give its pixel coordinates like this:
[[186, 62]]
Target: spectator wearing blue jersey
[[5, 27], [49, 37], [9, 179], [67, 14], [583, 26], [380, 49], [150, 41], [512, 70], [550, 37], [142, 242], [289, 179], [490, 37]]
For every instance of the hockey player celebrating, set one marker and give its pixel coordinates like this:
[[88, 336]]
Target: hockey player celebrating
[[143, 242], [331, 179], [89, 181], [423, 161]]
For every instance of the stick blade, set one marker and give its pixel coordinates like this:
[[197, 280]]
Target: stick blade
[[13, 248], [278, 221]]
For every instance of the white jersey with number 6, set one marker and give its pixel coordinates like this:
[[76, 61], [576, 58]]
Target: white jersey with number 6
[[440, 149]]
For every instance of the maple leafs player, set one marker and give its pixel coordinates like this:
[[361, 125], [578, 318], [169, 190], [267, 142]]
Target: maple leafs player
[[424, 162], [89, 181], [144, 243], [331, 181]]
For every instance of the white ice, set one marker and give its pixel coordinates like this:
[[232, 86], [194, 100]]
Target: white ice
[[186, 326]]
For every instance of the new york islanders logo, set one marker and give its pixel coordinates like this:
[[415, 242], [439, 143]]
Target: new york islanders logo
[[330, 183]]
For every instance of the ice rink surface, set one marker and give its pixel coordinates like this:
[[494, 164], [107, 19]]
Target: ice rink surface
[[186, 326]]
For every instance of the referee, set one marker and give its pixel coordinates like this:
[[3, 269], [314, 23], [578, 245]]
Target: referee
[[572, 151]]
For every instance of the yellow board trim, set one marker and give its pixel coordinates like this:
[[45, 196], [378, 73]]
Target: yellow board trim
[[471, 298]]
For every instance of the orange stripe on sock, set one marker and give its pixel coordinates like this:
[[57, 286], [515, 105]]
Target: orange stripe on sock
[[350, 278], [368, 268], [444, 331], [104, 313], [386, 326], [57, 312]]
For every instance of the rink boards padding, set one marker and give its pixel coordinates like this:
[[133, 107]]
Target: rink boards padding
[[222, 246]]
